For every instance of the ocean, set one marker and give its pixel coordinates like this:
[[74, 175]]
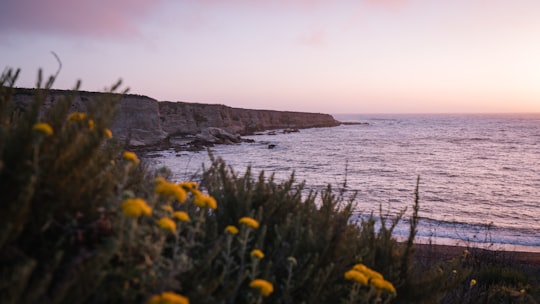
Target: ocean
[[479, 174]]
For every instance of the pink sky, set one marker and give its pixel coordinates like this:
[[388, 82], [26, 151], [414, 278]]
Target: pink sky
[[332, 56]]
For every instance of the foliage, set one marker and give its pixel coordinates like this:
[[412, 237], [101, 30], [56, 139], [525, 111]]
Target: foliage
[[497, 278]]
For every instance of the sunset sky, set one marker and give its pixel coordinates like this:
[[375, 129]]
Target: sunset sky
[[331, 56]]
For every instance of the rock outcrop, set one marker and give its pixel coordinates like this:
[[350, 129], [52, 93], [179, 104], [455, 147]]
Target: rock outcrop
[[178, 118], [136, 121], [141, 121]]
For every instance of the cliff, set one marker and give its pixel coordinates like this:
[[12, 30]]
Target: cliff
[[136, 119], [178, 118], [142, 121]]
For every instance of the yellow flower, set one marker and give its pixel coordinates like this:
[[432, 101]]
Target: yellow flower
[[91, 124], [135, 207], [172, 190], [167, 224], [108, 133], [231, 230], [256, 253], [369, 273], [76, 116], [382, 284], [357, 276], [264, 287], [44, 128], [132, 157], [198, 199], [189, 186], [168, 298], [210, 202], [167, 208], [203, 200], [250, 222], [473, 282], [182, 216]]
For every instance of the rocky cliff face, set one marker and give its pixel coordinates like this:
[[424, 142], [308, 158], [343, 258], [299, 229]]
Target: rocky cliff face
[[136, 121], [142, 121], [179, 118]]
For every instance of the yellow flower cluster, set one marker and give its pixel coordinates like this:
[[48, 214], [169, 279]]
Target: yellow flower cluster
[[108, 133], [367, 271], [358, 277], [76, 116], [182, 216], [473, 282], [256, 253], [189, 186], [132, 157], [231, 230], [44, 128], [360, 273], [264, 287], [171, 190], [202, 200], [168, 298], [167, 224], [382, 284], [91, 124], [135, 207], [250, 222]]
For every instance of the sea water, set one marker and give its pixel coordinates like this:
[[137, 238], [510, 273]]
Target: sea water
[[479, 174]]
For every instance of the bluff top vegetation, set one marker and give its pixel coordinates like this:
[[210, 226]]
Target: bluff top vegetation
[[83, 220]]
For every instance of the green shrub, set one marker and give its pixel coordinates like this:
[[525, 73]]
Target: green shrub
[[497, 278], [60, 188]]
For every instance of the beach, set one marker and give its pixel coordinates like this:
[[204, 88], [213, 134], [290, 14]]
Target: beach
[[432, 252]]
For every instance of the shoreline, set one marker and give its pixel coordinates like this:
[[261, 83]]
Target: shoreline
[[433, 252], [493, 246]]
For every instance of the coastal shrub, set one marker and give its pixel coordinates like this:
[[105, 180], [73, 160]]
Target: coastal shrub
[[318, 235], [495, 277], [64, 237], [60, 178]]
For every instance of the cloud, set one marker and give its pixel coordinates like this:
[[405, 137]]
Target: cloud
[[88, 18]]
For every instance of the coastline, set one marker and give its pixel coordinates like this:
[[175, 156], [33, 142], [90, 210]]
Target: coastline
[[438, 252]]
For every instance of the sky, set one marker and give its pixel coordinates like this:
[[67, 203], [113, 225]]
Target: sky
[[329, 56]]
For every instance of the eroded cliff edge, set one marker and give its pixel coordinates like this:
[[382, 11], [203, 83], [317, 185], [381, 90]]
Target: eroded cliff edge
[[179, 118], [142, 121]]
